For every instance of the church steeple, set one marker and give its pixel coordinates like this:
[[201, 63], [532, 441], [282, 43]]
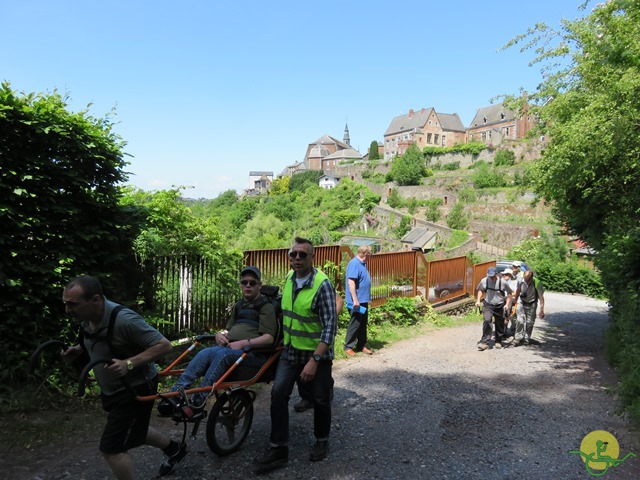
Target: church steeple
[[346, 138]]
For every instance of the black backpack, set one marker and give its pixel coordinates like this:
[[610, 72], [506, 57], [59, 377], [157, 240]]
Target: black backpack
[[270, 293], [108, 337]]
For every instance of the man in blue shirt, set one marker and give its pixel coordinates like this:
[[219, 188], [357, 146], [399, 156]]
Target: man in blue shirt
[[358, 292]]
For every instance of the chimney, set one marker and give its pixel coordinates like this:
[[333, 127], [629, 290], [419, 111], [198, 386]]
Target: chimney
[[423, 110], [410, 112]]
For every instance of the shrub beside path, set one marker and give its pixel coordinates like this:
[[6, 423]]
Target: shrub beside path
[[428, 407]]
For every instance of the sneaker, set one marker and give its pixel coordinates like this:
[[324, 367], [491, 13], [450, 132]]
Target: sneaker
[[319, 450], [274, 457], [168, 406], [497, 345], [303, 406], [170, 463], [482, 346]]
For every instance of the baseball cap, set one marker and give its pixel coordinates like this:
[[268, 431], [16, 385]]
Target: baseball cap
[[491, 272], [255, 271], [517, 263]]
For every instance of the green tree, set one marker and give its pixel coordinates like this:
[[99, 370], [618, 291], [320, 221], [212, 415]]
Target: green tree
[[485, 177], [404, 227], [588, 106], [279, 186], [373, 151], [504, 158], [457, 218], [432, 212], [60, 216], [265, 231], [395, 200], [410, 168], [301, 181]]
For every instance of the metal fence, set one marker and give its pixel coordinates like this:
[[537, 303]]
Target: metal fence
[[189, 293]]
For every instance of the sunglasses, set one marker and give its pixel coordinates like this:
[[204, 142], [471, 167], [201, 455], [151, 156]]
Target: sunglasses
[[300, 255], [248, 283]]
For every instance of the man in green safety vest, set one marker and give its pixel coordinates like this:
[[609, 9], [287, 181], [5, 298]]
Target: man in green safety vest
[[310, 321]]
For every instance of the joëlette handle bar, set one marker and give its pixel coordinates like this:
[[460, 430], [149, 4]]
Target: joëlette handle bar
[[44, 346], [89, 366]]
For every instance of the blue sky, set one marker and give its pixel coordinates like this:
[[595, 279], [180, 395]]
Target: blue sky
[[207, 91]]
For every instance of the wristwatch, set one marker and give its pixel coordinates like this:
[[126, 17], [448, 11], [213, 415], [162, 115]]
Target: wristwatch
[[317, 357], [129, 365]]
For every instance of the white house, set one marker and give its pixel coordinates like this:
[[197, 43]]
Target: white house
[[328, 181]]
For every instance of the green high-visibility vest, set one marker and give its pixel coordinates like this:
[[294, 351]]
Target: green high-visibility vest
[[302, 327]]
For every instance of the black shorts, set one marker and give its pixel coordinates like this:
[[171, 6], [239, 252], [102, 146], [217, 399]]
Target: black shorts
[[128, 419]]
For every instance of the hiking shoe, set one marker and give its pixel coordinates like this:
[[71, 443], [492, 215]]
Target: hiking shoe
[[274, 457], [497, 345], [482, 346], [303, 405], [171, 406], [170, 463], [319, 450]]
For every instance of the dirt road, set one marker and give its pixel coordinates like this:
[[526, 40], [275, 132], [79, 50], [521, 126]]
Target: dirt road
[[431, 407]]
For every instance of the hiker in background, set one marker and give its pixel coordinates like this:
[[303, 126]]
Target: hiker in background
[[358, 295], [510, 320], [530, 291], [497, 301]]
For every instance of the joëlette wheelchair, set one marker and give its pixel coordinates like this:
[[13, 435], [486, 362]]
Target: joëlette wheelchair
[[230, 418]]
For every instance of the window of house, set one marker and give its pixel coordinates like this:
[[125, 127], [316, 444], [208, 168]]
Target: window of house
[[428, 138], [484, 119], [506, 131], [435, 138], [484, 136], [444, 140]]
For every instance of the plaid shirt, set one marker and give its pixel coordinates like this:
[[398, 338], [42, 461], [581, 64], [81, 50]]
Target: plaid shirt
[[324, 304]]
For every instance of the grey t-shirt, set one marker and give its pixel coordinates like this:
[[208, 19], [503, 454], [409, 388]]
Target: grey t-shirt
[[131, 335], [496, 293]]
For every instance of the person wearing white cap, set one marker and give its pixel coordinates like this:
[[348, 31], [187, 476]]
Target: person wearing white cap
[[529, 293], [510, 278], [496, 302], [517, 270]]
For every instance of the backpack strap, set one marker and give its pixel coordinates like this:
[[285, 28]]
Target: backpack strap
[[109, 336]]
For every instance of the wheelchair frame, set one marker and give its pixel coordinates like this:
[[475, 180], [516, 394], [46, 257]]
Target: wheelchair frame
[[231, 415]]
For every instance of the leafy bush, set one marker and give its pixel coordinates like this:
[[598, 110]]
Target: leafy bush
[[401, 311], [467, 195], [404, 227], [395, 200], [432, 212], [457, 218], [477, 164], [484, 177], [451, 166], [504, 158], [410, 168]]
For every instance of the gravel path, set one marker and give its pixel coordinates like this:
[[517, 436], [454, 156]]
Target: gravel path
[[429, 407]]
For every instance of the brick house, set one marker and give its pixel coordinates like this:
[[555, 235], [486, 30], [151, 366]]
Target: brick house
[[495, 123], [423, 128]]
